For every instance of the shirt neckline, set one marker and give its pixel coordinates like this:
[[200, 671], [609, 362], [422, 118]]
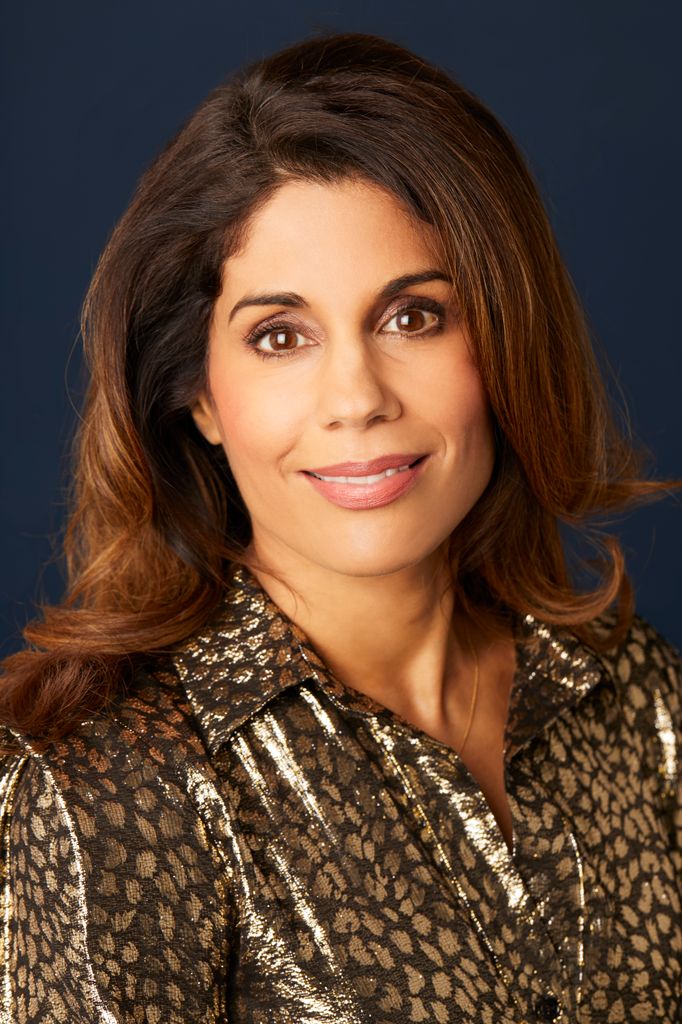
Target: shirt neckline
[[250, 651]]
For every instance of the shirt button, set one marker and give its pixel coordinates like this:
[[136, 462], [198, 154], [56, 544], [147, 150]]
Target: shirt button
[[547, 1008]]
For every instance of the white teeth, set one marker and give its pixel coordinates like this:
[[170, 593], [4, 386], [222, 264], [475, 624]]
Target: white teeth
[[362, 479]]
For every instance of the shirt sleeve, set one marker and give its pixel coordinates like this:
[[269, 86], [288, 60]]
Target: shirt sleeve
[[666, 671], [114, 908]]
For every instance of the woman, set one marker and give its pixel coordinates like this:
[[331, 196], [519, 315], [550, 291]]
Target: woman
[[324, 731]]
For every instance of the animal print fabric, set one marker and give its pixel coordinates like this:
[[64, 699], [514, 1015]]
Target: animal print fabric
[[241, 837]]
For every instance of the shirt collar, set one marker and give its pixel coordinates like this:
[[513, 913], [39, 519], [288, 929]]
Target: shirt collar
[[250, 651], [554, 672]]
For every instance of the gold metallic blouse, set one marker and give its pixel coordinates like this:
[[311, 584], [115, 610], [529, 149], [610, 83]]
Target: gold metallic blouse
[[243, 838]]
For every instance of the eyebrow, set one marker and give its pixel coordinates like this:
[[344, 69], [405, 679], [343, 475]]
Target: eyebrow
[[390, 289]]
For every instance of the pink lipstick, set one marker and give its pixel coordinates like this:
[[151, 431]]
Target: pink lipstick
[[370, 484]]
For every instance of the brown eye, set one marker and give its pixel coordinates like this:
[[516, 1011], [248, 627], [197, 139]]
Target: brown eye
[[413, 320], [278, 339]]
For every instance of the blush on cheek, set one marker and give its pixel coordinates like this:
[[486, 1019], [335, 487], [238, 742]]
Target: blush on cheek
[[257, 437], [460, 404]]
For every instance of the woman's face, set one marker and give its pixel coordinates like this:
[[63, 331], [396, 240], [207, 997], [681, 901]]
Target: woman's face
[[326, 349]]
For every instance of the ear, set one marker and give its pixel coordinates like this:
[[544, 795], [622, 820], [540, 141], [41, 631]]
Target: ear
[[205, 418]]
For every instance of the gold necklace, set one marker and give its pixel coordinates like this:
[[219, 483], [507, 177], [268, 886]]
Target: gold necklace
[[472, 706]]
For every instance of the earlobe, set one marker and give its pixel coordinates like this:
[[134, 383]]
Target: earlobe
[[205, 419]]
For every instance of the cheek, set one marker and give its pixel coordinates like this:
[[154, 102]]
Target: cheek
[[259, 424], [456, 403]]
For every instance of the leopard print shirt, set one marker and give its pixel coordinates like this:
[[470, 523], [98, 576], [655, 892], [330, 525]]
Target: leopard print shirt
[[240, 837]]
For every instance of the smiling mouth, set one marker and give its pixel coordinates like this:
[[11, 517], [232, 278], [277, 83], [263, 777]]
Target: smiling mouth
[[364, 481]]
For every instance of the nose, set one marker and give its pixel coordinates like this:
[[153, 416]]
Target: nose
[[353, 387]]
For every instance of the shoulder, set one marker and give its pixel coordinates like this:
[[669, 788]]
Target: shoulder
[[647, 671], [137, 733], [128, 779], [644, 663], [110, 859], [138, 760]]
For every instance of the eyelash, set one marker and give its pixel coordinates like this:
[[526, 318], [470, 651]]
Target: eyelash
[[430, 305]]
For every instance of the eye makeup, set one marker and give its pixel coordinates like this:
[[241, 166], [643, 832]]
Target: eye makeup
[[278, 323]]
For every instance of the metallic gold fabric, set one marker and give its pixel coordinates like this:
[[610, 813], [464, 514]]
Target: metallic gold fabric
[[241, 837]]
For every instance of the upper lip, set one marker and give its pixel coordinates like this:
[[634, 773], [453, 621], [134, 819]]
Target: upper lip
[[368, 468]]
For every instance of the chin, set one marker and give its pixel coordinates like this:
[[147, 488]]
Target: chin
[[380, 557]]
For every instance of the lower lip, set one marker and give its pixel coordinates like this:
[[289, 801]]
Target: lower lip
[[358, 496]]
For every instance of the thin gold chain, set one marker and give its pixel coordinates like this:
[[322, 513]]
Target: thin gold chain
[[474, 696]]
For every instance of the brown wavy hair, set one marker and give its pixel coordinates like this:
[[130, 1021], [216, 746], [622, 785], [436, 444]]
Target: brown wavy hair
[[156, 516]]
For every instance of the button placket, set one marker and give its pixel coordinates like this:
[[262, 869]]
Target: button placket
[[466, 844], [547, 1008]]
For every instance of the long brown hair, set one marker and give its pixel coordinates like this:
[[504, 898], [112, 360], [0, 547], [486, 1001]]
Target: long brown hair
[[156, 515]]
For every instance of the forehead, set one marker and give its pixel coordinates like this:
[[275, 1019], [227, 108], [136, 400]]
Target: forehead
[[348, 233]]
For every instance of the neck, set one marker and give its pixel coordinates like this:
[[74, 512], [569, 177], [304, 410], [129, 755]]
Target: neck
[[396, 637]]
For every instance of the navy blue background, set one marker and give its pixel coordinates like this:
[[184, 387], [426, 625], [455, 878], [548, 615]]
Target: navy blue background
[[591, 91]]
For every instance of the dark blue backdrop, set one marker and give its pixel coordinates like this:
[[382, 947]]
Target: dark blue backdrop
[[91, 91]]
